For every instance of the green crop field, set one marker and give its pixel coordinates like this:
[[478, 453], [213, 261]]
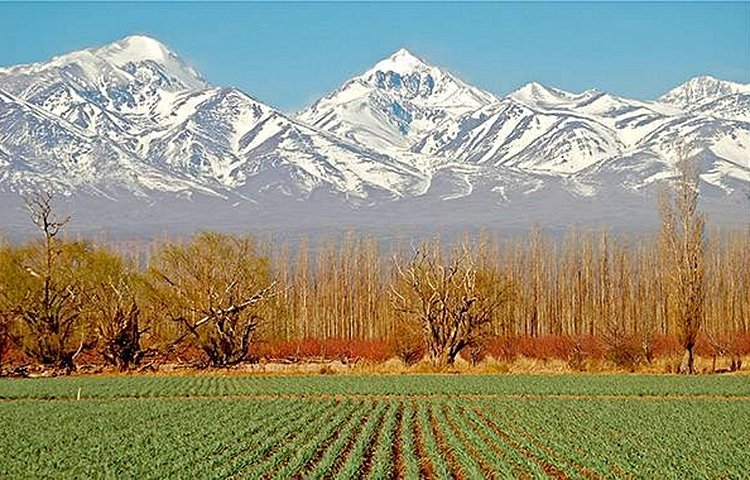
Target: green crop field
[[437, 426]]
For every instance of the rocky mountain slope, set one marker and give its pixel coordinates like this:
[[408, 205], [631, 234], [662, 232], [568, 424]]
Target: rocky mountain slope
[[395, 103]]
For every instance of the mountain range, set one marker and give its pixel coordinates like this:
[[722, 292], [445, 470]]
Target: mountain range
[[138, 142]]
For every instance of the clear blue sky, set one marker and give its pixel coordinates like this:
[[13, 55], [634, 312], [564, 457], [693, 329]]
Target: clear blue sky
[[289, 54]]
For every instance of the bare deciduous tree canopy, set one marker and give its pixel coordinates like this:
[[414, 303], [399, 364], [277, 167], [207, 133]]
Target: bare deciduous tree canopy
[[586, 296], [116, 318], [44, 300], [682, 244], [454, 300], [213, 288]]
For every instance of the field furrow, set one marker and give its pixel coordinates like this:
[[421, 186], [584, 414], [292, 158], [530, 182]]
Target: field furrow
[[479, 447], [465, 464], [357, 457], [408, 463], [262, 446], [275, 457], [273, 417], [504, 449], [432, 451], [290, 460], [339, 448], [497, 425], [383, 459]]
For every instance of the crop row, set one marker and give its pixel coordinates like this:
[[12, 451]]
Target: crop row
[[223, 386], [375, 438]]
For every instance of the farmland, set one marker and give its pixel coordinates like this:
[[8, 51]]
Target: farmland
[[437, 426]]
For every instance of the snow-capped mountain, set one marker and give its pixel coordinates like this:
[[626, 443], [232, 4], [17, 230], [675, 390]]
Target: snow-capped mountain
[[395, 103], [137, 98], [121, 89], [511, 133], [227, 137], [41, 149], [700, 90], [403, 143], [547, 130]]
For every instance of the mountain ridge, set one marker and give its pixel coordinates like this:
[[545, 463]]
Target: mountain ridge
[[133, 119]]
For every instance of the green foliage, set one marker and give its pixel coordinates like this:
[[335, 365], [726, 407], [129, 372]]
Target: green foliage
[[383, 457]]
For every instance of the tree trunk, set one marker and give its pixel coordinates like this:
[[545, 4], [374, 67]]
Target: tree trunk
[[736, 363], [441, 357], [687, 365]]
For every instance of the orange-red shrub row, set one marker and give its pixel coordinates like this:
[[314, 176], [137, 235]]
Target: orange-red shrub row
[[380, 350]]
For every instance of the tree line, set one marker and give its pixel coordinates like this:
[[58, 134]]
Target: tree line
[[218, 295]]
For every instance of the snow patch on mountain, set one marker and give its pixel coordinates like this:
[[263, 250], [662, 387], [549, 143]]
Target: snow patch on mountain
[[733, 107], [511, 133], [393, 104], [699, 90]]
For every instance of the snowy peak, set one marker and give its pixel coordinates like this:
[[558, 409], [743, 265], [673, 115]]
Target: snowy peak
[[135, 48], [134, 58], [120, 90], [514, 134], [534, 93], [132, 117], [394, 104], [402, 61], [403, 74], [132, 114], [700, 90], [138, 49], [409, 76]]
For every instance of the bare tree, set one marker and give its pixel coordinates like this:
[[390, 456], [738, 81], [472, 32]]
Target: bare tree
[[45, 299], [454, 301], [5, 314], [213, 289], [682, 244], [115, 316], [4, 338]]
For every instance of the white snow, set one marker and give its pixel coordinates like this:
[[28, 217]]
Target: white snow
[[132, 115], [394, 103], [699, 90], [402, 61]]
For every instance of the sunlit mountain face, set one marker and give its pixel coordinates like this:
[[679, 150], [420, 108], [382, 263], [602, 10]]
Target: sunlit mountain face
[[131, 127]]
